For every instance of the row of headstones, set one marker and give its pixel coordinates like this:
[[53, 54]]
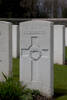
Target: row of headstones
[[37, 40], [60, 33]]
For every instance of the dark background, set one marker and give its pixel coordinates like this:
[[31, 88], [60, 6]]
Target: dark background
[[33, 9]]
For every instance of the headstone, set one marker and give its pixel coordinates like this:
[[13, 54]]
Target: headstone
[[36, 55], [59, 44], [66, 36], [15, 41], [5, 49]]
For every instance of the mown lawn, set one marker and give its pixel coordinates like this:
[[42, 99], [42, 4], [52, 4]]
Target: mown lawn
[[60, 79], [16, 68], [60, 82]]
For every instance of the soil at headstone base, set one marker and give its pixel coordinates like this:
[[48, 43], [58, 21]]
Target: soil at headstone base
[[40, 97]]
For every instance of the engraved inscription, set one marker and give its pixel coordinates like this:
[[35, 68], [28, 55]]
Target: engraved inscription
[[38, 33], [44, 49], [35, 54]]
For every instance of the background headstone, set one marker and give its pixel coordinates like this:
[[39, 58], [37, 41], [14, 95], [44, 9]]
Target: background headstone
[[36, 55], [66, 36], [5, 49], [15, 41], [59, 44]]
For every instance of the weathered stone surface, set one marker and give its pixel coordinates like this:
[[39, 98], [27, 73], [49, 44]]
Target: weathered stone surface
[[36, 55], [15, 41], [59, 44], [5, 49]]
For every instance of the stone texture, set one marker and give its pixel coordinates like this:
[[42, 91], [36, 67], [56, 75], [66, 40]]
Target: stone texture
[[59, 44], [15, 41], [36, 55], [5, 49]]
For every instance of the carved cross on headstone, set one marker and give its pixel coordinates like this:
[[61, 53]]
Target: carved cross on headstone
[[34, 52]]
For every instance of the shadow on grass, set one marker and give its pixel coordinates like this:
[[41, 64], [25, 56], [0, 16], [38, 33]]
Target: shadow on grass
[[65, 61], [59, 92]]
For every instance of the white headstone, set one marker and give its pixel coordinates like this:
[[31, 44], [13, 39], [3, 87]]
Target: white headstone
[[59, 44], [15, 41], [36, 55], [5, 49], [66, 36]]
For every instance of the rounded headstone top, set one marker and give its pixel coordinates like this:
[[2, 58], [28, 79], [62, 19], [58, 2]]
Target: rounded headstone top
[[37, 20], [38, 25], [4, 22]]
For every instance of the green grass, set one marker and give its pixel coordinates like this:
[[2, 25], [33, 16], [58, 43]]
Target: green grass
[[16, 68], [60, 82], [62, 98], [60, 79]]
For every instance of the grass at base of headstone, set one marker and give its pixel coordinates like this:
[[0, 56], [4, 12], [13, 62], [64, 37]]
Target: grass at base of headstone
[[16, 68], [60, 79], [60, 82], [16, 77]]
